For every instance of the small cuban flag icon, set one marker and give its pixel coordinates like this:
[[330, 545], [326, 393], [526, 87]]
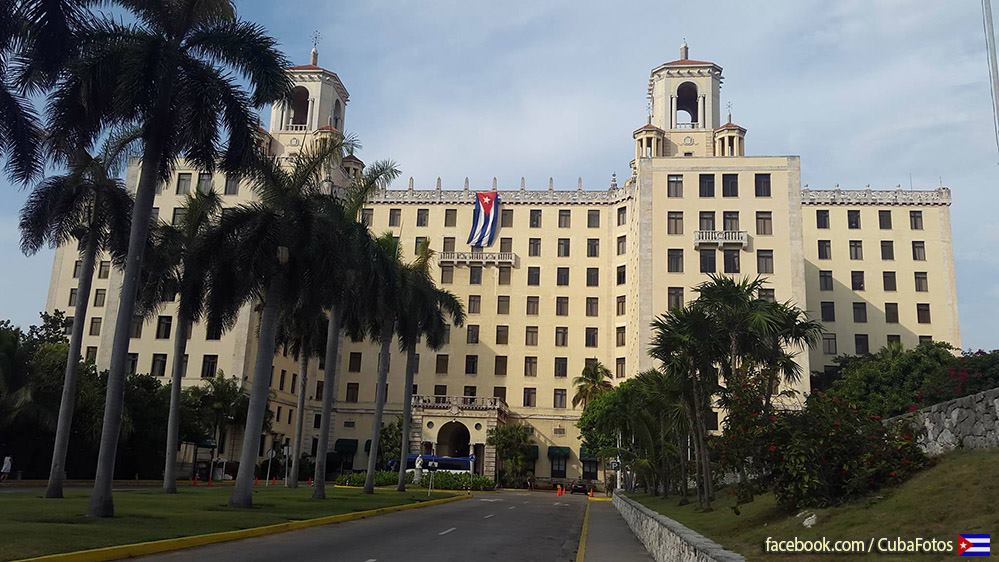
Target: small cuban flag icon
[[973, 545]]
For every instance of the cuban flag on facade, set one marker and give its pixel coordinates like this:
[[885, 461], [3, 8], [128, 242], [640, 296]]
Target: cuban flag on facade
[[485, 219], [973, 545]]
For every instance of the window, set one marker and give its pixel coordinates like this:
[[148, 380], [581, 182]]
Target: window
[[422, 217], [76, 269], [731, 261], [887, 250], [730, 220], [563, 247], [922, 282], [136, 328], [861, 344], [530, 397], [561, 306], [592, 306], [506, 218], [91, 354], [561, 367], [353, 389], [919, 251], [825, 249], [317, 421], [534, 275], [499, 366], [183, 183], [674, 297], [564, 218], [891, 312], [674, 225], [767, 295], [822, 218], [562, 276], [894, 339], [420, 242], [707, 261], [533, 303], [853, 219], [530, 366], [622, 274], [674, 186], [72, 297], [395, 217], [504, 275], [762, 185], [592, 276], [857, 280], [829, 344], [889, 281], [592, 247], [320, 388], [593, 218], [621, 305], [620, 336], [231, 185], [474, 304], [764, 261], [764, 223], [860, 312], [441, 364], [535, 220], [534, 247], [825, 281], [884, 220], [367, 216], [506, 244], [828, 311], [531, 336], [471, 364], [163, 325], [622, 216], [447, 274], [916, 220], [706, 220], [706, 185], [95, 326], [209, 366], [502, 334], [730, 185], [619, 368], [561, 336], [178, 215], [674, 261], [925, 339], [923, 313], [856, 250], [503, 304], [475, 275], [558, 400], [294, 383], [450, 217], [284, 375], [472, 333], [591, 337]]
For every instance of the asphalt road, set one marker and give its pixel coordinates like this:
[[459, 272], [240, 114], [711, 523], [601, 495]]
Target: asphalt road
[[503, 526]]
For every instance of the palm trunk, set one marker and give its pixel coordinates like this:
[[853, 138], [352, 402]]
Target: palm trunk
[[296, 447], [384, 356], [242, 494], [705, 456], [329, 394], [173, 422], [682, 448], [101, 500], [407, 416], [698, 473], [67, 405]]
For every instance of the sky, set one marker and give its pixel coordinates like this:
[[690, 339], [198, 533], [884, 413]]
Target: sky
[[881, 93]]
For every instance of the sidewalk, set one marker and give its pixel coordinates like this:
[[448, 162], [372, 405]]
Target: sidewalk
[[610, 539]]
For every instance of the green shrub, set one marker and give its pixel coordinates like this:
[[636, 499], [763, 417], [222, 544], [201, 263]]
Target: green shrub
[[442, 480], [830, 451], [382, 478]]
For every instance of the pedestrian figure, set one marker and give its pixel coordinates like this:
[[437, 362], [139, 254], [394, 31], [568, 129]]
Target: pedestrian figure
[[8, 462]]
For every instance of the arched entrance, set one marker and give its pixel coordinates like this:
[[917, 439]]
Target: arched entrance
[[452, 440]]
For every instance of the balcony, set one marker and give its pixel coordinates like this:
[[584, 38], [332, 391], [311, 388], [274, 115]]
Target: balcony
[[477, 258], [295, 127], [481, 403], [721, 238]]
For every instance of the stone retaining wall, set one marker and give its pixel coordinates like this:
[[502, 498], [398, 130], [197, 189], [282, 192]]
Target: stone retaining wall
[[667, 540], [969, 422]]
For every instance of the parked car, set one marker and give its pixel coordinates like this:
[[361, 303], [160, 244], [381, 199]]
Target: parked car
[[579, 487]]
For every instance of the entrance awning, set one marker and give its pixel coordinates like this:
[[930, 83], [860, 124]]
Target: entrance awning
[[367, 446], [558, 452], [532, 453], [345, 446], [586, 454]]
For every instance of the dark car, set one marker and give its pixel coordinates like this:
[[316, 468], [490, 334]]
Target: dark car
[[579, 487]]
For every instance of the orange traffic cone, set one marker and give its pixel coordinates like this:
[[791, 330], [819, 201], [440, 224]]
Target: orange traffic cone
[[591, 493]]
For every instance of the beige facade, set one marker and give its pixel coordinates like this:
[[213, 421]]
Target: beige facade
[[578, 275]]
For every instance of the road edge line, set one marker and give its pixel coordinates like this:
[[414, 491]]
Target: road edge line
[[118, 552], [581, 549]]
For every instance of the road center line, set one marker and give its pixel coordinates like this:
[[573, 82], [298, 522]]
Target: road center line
[[512, 507], [371, 560], [490, 515], [442, 533]]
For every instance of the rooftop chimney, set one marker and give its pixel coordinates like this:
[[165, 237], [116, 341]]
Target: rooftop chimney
[[314, 57], [683, 50]]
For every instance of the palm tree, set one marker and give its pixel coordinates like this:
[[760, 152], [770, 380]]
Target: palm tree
[[176, 270], [90, 204], [424, 309], [171, 74], [594, 379], [267, 251]]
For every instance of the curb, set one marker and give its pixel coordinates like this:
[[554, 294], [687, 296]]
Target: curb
[[166, 545], [581, 550]]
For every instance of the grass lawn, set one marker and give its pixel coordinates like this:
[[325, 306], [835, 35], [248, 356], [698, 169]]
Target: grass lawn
[[31, 525], [960, 494]]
